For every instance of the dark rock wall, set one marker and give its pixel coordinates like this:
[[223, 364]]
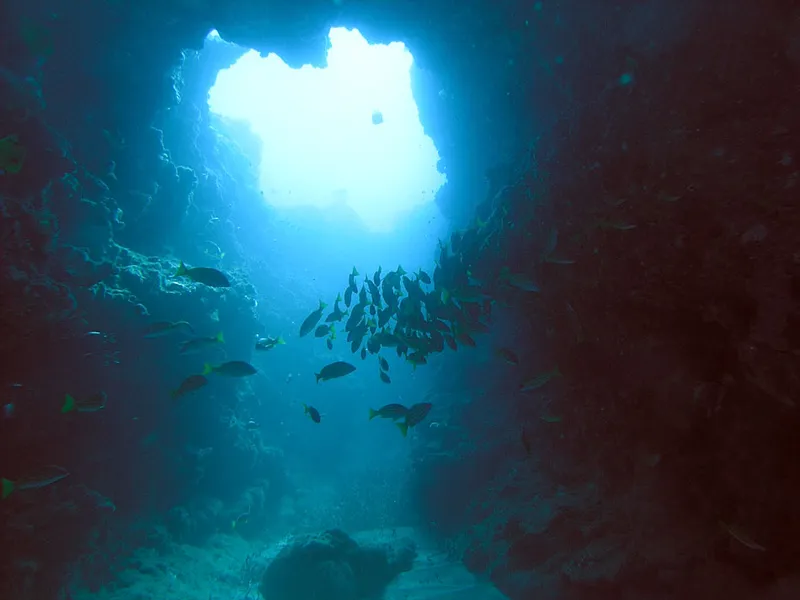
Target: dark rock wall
[[659, 466]]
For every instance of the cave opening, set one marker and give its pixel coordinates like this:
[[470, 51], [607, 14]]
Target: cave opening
[[345, 135]]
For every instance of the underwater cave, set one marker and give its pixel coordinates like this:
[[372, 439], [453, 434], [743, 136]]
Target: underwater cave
[[352, 300]]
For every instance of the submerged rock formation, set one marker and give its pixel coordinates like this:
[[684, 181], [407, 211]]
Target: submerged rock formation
[[333, 566]]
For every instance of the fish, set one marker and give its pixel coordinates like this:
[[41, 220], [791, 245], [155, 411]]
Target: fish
[[363, 354], [525, 440], [518, 280], [337, 314], [549, 417], [12, 154], [92, 403], [162, 328], [191, 384], [324, 330], [42, 478], [417, 358], [451, 342], [205, 275], [742, 537], [268, 343], [384, 316], [554, 260], [351, 283], [383, 363], [575, 323], [8, 410], [390, 411], [508, 355], [384, 377], [329, 343], [233, 368], [466, 339], [423, 277], [200, 344], [415, 415], [374, 293], [469, 294], [312, 412], [604, 224], [252, 425], [311, 320], [334, 370], [540, 380], [242, 519]]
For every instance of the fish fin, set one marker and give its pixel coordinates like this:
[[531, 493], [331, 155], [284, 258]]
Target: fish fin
[[8, 487], [181, 270], [339, 297], [207, 369], [280, 340], [318, 376], [322, 305], [220, 338], [372, 414], [69, 404], [403, 427]]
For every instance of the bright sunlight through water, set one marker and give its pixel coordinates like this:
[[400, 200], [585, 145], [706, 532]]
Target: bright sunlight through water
[[347, 133]]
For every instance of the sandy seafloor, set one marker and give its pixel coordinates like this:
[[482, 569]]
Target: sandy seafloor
[[215, 572]]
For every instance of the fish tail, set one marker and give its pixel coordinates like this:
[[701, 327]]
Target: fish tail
[[403, 427], [207, 369], [8, 487], [305, 408], [233, 524], [333, 332], [69, 404], [181, 270], [220, 338], [318, 376], [281, 340], [322, 305], [372, 414]]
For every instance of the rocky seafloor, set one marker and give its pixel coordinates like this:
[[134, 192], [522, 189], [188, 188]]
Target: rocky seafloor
[[658, 138]]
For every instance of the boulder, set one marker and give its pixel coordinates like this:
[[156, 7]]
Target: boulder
[[333, 566]]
